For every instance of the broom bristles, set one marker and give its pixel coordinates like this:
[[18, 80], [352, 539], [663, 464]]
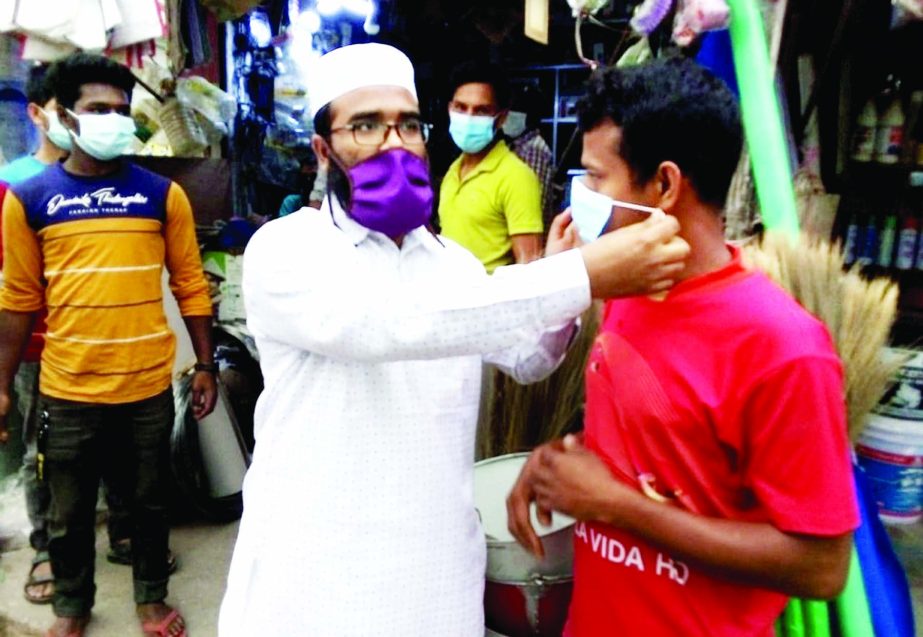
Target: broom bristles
[[523, 416], [858, 312]]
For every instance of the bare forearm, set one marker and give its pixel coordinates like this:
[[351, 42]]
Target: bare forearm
[[200, 331], [756, 554], [15, 328], [526, 247]]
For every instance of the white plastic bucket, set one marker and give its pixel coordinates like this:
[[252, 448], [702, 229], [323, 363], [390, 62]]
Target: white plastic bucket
[[890, 451]]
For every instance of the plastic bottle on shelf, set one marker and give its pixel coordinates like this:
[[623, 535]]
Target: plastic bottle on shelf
[[863, 145], [868, 253], [907, 242], [851, 243], [913, 131], [889, 135], [886, 248]]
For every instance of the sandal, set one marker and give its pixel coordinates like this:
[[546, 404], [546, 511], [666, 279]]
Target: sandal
[[41, 557], [120, 553], [161, 628]]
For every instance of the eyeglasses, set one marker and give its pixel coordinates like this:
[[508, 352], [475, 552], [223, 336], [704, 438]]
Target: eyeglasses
[[372, 133]]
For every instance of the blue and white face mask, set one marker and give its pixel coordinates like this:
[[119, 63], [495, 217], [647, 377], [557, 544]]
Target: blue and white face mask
[[471, 133], [591, 210]]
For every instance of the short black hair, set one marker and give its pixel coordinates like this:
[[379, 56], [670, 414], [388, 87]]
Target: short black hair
[[477, 72], [38, 87], [669, 110], [70, 74], [322, 122]]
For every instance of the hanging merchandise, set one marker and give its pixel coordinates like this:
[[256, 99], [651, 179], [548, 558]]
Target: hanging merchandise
[[584, 10], [637, 53], [39, 49], [181, 128], [906, 11], [89, 29], [7, 15], [215, 106], [226, 10], [649, 14], [142, 20], [49, 19], [695, 17]]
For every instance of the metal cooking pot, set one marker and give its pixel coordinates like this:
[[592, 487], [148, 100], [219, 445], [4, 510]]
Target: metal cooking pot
[[523, 596]]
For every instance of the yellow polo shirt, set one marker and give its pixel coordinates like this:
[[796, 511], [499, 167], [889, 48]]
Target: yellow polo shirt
[[499, 198]]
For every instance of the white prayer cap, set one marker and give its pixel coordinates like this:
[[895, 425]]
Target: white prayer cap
[[357, 66]]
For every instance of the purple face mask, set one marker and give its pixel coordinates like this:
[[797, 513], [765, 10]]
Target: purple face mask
[[391, 192]]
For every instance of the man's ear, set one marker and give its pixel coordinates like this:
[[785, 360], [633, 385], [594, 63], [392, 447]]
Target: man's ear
[[501, 118], [321, 150], [34, 111], [669, 183], [67, 120]]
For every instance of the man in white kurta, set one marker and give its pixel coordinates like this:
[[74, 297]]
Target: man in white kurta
[[359, 517]]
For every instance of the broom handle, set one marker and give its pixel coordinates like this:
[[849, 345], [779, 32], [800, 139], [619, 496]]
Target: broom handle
[[762, 118], [853, 605]]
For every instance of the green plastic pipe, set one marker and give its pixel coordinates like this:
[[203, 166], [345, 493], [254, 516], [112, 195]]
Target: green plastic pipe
[[762, 118], [852, 605], [816, 618], [792, 620]]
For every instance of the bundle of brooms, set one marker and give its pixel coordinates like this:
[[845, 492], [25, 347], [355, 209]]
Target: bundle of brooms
[[520, 417], [859, 312]]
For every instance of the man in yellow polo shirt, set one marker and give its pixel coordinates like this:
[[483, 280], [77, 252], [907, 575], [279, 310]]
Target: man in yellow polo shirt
[[490, 201]]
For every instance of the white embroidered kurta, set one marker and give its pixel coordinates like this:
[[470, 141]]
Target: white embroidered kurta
[[359, 518]]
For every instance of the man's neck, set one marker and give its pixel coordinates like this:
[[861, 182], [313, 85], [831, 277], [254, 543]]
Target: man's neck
[[471, 160], [82, 164], [48, 153], [703, 229]]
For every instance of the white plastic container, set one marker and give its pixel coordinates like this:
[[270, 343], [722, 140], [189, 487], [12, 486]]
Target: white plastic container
[[889, 136], [863, 145], [890, 451]]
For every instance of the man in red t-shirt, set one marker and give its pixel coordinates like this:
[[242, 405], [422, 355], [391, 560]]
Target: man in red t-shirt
[[713, 478]]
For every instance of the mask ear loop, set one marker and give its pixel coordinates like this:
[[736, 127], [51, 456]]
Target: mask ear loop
[[657, 212]]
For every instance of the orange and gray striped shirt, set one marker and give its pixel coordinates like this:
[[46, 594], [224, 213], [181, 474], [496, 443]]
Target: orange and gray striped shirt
[[93, 249]]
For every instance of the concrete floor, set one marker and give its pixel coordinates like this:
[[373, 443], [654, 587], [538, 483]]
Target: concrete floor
[[196, 588], [908, 543]]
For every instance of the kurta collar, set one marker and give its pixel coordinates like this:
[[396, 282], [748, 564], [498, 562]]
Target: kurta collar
[[357, 233]]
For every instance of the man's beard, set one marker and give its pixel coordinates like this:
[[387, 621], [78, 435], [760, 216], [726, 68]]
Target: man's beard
[[338, 183]]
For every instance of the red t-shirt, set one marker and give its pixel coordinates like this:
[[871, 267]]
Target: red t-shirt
[[33, 353], [729, 396]]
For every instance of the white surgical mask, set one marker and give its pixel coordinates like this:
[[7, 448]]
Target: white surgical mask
[[515, 124], [56, 132], [591, 210], [104, 136]]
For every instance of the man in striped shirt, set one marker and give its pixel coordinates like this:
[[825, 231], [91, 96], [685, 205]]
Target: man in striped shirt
[[88, 239]]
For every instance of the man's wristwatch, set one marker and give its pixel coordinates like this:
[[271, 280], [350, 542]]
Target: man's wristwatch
[[211, 368]]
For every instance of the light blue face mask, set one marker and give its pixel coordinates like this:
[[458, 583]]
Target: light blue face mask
[[56, 131], [471, 133], [104, 136], [591, 210]]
